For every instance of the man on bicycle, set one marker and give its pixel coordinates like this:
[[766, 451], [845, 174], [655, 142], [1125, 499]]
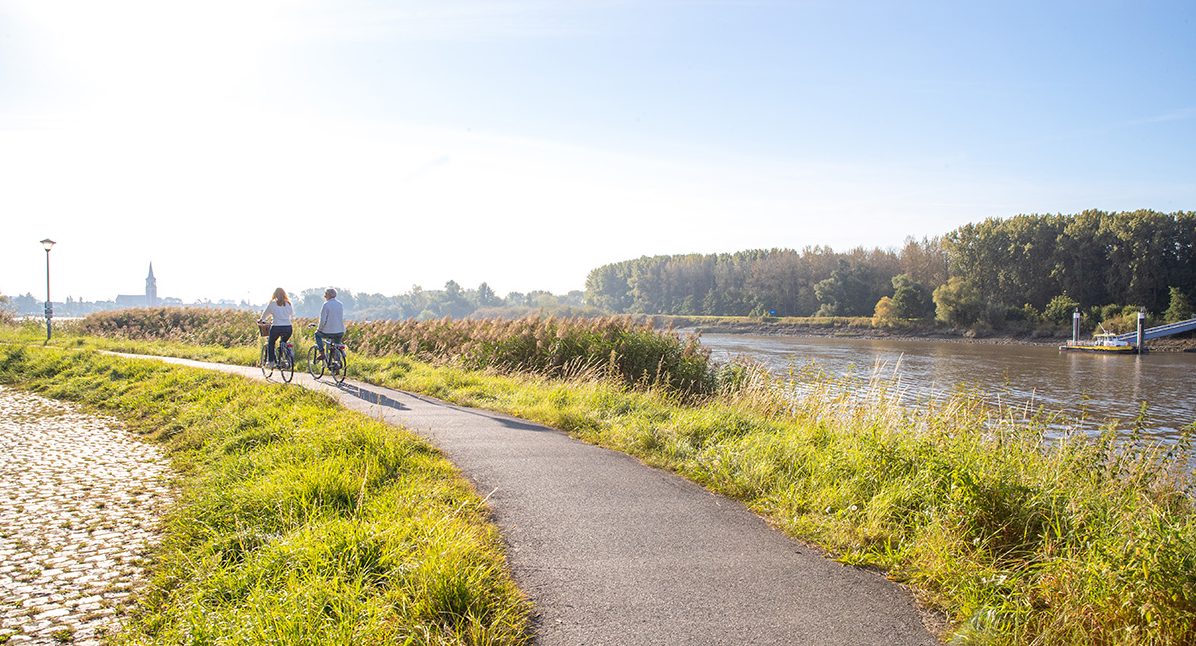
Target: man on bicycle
[[332, 321]]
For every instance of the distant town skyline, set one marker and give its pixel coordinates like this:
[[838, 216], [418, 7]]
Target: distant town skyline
[[525, 143]]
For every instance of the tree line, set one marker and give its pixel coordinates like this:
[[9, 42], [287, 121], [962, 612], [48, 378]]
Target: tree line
[[1024, 269], [453, 302]]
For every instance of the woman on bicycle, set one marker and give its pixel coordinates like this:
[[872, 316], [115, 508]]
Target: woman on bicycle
[[280, 312]]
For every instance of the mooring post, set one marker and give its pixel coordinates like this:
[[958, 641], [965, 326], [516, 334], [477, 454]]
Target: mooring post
[[1075, 326], [1141, 330]]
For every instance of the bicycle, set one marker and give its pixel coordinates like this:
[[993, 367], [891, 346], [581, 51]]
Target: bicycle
[[334, 361], [284, 355]]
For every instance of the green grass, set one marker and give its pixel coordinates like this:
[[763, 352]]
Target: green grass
[[298, 522], [1018, 539]]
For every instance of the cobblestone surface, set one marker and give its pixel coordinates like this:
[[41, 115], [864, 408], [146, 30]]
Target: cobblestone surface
[[79, 503]]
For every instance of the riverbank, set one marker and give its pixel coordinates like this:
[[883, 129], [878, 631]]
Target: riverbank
[[1018, 539], [862, 328]]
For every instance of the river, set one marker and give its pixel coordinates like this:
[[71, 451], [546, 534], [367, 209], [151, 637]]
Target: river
[[1102, 388]]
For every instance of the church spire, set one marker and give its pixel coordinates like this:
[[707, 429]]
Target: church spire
[[151, 288]]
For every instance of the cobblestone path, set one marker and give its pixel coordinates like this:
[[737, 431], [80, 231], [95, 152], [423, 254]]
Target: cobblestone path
[[79, 502]]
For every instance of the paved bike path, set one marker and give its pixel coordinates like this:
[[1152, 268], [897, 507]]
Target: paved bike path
[[613, 552]]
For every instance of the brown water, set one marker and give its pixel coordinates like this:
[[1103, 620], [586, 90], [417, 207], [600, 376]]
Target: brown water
[[1101, 388]]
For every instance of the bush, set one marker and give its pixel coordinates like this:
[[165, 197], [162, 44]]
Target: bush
[[7, 311], [885, 314], [1126, 320], [1060, 309]]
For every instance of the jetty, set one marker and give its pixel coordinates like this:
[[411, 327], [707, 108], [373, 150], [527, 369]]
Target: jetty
[[1161, 331], [1128, 343]]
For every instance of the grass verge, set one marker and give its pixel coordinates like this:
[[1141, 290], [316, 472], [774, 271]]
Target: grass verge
[[298, 522]]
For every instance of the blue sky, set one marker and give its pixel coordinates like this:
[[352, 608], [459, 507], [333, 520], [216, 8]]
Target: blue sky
[[524, 142]]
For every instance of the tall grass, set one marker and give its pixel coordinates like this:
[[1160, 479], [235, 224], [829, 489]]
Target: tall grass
[[198, 326], [631, 351], [298, 522]]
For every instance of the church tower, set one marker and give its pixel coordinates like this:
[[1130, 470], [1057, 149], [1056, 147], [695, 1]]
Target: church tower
[[151, 288]]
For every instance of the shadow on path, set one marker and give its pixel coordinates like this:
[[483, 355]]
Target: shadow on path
[[371, 396], [376, 395]]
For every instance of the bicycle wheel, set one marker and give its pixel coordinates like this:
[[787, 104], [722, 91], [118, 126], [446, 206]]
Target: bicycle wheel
[[315, 367], [263, 363], [286, 363], [337, 365]]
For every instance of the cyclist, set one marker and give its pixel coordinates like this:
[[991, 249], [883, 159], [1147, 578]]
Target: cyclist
[[332, 322], [280, 312]]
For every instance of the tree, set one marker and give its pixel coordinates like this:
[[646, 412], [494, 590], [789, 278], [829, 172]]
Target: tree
[[958, 302], [911, 299], [885, 313], [845, 293], [1180, 308], [454, 303], [487, 297]]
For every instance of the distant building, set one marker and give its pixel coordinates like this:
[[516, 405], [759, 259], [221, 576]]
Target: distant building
[[150, 299]]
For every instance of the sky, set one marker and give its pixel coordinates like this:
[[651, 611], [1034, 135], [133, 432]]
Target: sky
[[241, 145]]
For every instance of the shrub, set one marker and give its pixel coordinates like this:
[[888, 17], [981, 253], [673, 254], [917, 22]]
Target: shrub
[[885, 313], [6, 310], [1060, 309]]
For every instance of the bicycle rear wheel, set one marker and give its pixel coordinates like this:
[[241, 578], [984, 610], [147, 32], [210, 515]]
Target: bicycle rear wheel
[[337, 365], [264, 363], [286, 363], [315, 366]]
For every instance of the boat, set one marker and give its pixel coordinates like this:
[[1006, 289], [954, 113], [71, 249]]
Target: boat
[[1102, 341]]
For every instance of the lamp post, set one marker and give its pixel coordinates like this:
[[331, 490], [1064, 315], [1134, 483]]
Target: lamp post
[[48, 244]]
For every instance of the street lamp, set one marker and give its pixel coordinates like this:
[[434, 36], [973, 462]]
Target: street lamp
[[48, 244]]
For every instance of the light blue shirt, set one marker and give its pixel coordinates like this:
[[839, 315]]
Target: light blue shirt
[[332, 318]]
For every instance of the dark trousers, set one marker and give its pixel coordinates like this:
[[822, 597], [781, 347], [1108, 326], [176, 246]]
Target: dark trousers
[[321, 336], [277, 332]]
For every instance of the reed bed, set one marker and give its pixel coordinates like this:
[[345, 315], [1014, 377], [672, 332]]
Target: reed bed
[[192, 325], [616, 346]]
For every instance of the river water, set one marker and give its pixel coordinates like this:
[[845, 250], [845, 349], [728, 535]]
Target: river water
[[1100, 388]]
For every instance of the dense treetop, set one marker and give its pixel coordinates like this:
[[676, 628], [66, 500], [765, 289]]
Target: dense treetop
[[994, 270]]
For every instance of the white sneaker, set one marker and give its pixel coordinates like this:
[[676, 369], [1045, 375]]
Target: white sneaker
[[269, 364]]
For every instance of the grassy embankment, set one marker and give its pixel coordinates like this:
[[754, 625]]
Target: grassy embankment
[[298, 522], [1019, 540]]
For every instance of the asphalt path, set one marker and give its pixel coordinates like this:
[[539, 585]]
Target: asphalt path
[[616, 553]]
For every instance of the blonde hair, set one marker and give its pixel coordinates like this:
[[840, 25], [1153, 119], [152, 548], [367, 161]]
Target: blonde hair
[[280, 297]]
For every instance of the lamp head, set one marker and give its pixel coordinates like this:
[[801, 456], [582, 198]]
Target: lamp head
[[47, 244]]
